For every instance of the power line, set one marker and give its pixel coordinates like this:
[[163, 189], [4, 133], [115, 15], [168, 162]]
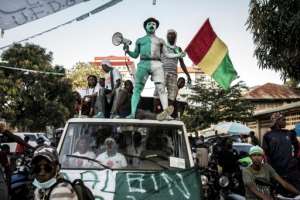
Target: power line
[[32, 71], [80, 18]]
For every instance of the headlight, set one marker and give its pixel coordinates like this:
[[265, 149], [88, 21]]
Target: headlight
[[18, 162], [204, 180], [236, 183], [223, 181]]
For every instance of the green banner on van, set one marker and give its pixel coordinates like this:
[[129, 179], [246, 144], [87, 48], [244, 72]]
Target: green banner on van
[[175, 185]]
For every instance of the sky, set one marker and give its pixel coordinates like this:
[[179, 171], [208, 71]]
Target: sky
[[82, 41]]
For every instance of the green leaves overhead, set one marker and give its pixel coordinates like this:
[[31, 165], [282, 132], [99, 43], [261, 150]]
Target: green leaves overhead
[[275, 25]]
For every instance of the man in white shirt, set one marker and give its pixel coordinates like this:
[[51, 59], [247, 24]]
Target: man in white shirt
[[82, 150], [112, 84], [111, 158]]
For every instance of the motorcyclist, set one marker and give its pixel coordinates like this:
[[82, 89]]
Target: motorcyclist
[[46, 168], [261, 169], [227, 156]]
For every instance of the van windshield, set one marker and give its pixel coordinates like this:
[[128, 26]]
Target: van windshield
[[124, 146]]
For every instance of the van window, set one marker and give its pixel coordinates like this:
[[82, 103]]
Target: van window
[[122, 146]]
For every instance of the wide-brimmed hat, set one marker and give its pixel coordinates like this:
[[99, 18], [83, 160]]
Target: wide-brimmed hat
[[151, 19]]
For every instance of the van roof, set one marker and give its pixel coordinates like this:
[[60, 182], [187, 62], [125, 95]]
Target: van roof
[[125, 121]]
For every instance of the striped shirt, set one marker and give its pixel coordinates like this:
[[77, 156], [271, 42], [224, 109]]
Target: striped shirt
[[170, 64], [62, 191]]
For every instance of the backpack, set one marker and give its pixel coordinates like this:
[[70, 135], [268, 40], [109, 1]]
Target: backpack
[[82, 191]]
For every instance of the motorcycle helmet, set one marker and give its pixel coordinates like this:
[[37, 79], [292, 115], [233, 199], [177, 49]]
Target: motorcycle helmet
[[46, 152]]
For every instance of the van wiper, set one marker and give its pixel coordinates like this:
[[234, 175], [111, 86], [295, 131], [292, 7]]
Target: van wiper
[[90, 159], [148, 157]]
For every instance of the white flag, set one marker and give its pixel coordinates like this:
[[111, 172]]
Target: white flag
[[18, 12]]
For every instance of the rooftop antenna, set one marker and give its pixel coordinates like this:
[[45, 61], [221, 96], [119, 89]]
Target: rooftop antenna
[[154, 2]]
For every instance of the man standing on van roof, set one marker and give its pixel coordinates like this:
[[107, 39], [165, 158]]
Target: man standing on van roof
[[150, 49], [112, 84], [170, 67]]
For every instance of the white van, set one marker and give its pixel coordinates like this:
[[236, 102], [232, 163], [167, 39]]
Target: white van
[[150, 159]]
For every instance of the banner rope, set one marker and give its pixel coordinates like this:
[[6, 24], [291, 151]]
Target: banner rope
[[32, 71], [80, 18]]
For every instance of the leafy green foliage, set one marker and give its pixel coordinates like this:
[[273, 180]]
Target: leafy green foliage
[[275, 25], [210, 104], [78, 75], [292, 83], [31, 101]]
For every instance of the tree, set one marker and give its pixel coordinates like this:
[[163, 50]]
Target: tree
[[8, 93], [210, 104], [275, 25], [34, 100], [78, 75], [292, 83]]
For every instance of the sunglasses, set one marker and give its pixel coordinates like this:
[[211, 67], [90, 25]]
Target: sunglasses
[[38, 168]]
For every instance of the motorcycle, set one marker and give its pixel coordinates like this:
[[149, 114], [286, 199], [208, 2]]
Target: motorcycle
[[217, 184], [21, 179]]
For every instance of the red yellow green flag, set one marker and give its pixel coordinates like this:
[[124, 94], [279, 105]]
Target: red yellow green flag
[[210, 54]]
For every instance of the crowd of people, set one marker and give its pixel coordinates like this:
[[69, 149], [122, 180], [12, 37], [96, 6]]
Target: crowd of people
[[276, 158], [109, 98]]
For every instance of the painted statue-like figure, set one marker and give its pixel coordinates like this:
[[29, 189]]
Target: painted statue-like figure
[[150, 48]]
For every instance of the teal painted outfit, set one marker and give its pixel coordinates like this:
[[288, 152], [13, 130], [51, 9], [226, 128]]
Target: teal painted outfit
[[150, 49]]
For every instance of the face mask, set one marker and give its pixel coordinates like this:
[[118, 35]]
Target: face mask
[[44, 185]]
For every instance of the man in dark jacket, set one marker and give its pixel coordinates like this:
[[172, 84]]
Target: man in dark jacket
[[277, 145]]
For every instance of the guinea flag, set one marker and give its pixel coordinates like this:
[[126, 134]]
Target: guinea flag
[[210, 54]]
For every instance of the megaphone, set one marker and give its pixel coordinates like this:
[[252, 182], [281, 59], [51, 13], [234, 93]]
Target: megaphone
[[118, 39]]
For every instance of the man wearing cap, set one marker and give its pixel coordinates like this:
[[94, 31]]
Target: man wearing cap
[[170, 67], [278, 147], [45, 167], [259, 170], [150, 48], [111, 158]]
